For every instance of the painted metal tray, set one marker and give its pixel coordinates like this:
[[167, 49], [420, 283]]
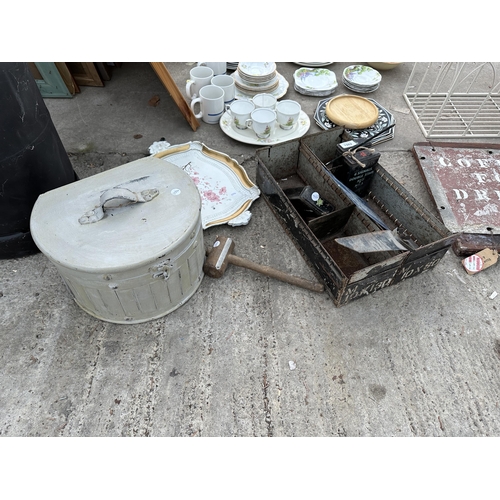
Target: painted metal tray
[[225, 189]]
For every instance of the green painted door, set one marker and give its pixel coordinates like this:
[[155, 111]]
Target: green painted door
[[49, 80]]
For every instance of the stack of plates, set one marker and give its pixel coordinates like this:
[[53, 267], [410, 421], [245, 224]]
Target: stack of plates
[[385, 119], [256, 77], [315, 82], [362, 79], [314, 64]]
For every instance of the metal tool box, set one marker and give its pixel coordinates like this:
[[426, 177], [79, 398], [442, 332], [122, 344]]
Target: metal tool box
[[347, 274], [128, 242]]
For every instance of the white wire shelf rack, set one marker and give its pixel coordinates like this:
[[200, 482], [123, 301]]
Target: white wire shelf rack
[[455, 99]]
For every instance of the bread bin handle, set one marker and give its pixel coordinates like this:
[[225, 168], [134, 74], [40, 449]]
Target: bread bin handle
[[97, 213]]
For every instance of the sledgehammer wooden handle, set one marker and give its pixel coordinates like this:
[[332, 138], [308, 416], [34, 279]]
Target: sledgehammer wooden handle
[[221, 255], [274, 273]]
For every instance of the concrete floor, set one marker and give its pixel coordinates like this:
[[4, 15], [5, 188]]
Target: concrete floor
[[420, 358]]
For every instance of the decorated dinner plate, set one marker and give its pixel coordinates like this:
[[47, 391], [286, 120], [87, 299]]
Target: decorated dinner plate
[[358, 88], [277, 135], [314, 93], [362, 76], [225, 189], [314, 64], [314, 79]]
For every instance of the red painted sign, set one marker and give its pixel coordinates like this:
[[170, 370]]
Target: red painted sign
[[465, 184]]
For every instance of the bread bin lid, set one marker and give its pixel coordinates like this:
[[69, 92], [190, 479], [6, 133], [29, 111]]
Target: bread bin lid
[[117, 219]]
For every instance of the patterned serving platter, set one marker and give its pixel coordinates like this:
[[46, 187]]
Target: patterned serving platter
[[277, 135]]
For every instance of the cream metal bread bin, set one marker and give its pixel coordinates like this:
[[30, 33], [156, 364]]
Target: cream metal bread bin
[[128, 242]]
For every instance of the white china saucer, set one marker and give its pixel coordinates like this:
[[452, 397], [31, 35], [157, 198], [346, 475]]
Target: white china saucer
[[278, 92], [255, 87], [257, 70], [277, 135]]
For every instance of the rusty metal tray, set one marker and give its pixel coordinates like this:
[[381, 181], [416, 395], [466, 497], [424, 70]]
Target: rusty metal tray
[[348, 275]]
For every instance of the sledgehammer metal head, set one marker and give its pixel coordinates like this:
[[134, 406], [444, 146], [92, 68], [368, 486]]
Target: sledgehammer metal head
[[218, 257]]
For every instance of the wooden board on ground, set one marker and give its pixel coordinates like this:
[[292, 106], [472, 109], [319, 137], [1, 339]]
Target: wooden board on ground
[[165, 77]]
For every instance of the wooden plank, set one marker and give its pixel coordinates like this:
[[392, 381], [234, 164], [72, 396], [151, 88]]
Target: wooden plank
[[67, 77], [165, 77], [34, 71], [103, 70], [85, 73]]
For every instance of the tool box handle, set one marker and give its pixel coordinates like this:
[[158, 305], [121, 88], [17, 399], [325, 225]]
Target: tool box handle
[[97, 213]]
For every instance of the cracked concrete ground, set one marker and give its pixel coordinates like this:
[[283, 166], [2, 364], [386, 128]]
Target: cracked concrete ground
[[420, 358]]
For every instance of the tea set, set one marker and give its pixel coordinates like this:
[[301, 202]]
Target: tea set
[[214, 92], [246, 104]]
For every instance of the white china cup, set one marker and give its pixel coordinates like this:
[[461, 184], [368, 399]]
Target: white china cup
[[264, 101], [226, 83], [262, 121], [287, 113], [240, 111], [211, 102], [199, 77], [219, 68]]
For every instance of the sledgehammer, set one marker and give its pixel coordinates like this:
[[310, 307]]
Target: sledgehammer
[[221, 255]]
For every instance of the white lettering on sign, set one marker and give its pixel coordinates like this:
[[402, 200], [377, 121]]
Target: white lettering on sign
[[469, 162], [461, 194], [480, 176], [481, 194], [465, 183], [486, 210]]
